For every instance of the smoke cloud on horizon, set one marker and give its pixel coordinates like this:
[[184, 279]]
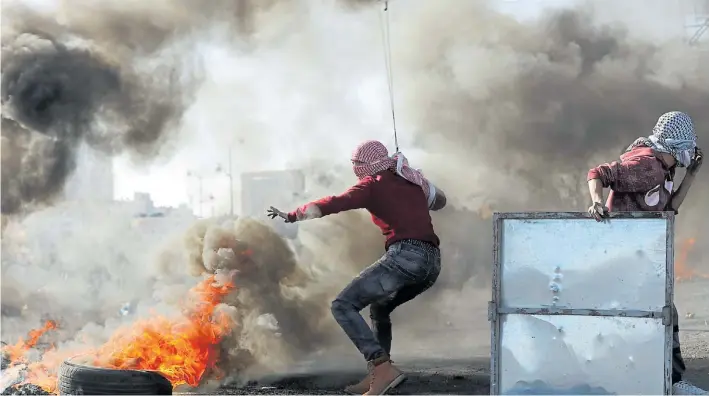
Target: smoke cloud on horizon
[[502, 114]]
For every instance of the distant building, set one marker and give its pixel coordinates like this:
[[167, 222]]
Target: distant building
[[282, 189], [158, 220], [144, 204], [259, 190]]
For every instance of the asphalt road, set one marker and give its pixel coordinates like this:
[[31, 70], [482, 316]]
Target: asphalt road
[[450, 377], [456, 362], [445, 352], [453, 377]]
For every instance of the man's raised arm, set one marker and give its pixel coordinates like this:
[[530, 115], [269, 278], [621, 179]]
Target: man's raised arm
[[357, 197]]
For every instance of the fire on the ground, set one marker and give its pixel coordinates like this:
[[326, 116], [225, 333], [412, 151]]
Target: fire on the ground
[[183, 349]]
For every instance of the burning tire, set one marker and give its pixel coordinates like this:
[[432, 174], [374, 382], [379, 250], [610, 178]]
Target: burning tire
[[77, 379]]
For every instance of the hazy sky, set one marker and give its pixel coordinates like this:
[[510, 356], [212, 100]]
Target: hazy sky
[[168, 183]]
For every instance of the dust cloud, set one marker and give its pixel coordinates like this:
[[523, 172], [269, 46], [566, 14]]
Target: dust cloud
[[502, 114]]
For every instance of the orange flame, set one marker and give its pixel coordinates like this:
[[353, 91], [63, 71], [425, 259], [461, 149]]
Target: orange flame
[[182, 349], [682, 270], [16, 353], [44, 372]]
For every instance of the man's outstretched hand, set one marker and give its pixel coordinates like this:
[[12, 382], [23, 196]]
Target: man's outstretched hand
[[273, 213]]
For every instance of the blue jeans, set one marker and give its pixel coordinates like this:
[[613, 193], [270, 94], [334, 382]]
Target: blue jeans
[[408, 268]]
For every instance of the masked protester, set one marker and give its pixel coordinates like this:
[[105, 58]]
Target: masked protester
[[399, 199], [643, 180]]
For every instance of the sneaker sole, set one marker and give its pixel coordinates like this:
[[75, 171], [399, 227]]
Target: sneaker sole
[[397, 381]]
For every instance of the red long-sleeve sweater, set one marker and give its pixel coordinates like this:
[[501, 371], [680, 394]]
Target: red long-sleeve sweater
[[640, 181], [398, 207]]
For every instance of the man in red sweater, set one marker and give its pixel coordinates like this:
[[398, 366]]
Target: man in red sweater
[[643, 180], [399, 199]]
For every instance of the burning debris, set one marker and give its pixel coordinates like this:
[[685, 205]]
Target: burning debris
[[17, 351], [268, 312], [279, 307], [183, 349], [25, 389], [15, 362]]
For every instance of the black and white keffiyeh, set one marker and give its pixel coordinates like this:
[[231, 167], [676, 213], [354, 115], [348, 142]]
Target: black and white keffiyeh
[[673, 134]]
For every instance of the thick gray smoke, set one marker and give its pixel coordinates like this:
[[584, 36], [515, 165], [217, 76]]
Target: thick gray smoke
[[502, 114], [56, 96], [107, 85], [279, 306], [519, 112]]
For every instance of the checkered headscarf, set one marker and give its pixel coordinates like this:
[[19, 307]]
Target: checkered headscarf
[[375, 158], [673, 134]]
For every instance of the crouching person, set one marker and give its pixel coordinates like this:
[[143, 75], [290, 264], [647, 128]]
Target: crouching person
[[399, 199], [643, 180]]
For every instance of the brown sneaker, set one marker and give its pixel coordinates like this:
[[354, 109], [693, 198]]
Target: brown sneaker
[[359, 388], [362, 386], [384, 376]]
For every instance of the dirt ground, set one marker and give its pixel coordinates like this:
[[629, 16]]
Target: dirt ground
[[459, 361]]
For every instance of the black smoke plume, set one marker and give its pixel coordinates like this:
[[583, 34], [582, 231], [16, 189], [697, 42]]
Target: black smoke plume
[[61, 90]]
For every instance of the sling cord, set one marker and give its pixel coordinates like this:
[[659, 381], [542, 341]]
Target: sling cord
[[384, 23]]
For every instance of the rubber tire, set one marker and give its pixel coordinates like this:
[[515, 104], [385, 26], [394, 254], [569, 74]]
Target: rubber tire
[[77, 379]]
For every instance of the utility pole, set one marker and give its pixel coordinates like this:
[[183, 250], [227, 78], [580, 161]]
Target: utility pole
[[231, 186], [699, 24], [200, 198], [228, 173]]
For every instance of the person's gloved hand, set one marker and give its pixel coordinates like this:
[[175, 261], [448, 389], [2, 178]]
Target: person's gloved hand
[[598, 211], [273, 213], [696, 163]]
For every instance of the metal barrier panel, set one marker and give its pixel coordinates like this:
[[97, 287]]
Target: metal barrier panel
[[581, 307]]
